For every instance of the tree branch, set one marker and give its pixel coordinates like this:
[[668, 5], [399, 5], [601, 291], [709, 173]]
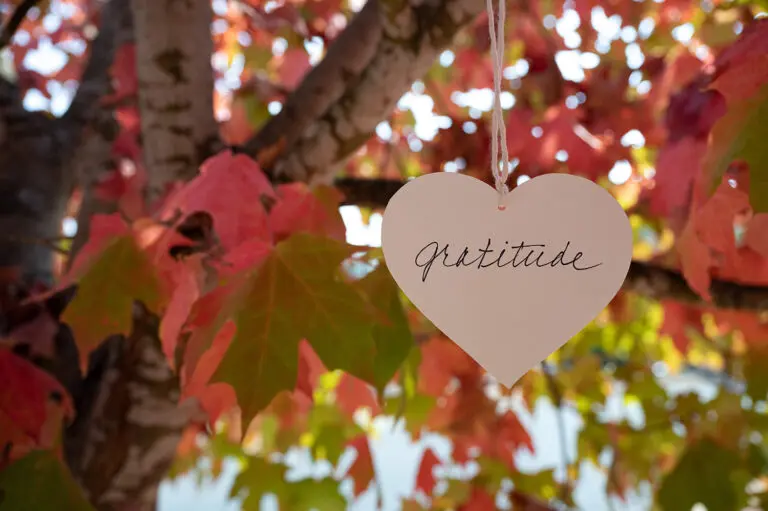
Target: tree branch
[[402, 40], [15, 21], [324, 84], [644, 278], [660, 283], [173, 62], [115, 29], [91, 125]]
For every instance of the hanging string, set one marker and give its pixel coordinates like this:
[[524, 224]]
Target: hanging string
[[498, 129]]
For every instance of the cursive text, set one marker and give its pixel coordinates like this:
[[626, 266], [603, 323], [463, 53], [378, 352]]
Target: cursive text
[[524, 254]]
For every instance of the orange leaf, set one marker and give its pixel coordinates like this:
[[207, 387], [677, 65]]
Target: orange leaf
[[362, 470]]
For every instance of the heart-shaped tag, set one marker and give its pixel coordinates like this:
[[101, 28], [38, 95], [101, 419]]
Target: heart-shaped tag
[[510, 286]]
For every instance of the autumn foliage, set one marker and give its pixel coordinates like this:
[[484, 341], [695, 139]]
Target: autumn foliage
[[286, 335]]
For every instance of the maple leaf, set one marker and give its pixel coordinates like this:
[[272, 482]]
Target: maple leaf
[[755, 374], [185, 292], [756, 237], [215, 398], [118, 276], [511, 433], [294, 64], [259, 477], [739, 135], [300, 208], [309, 370], [237, 129], [230, 188], [353, 394], [301, 274], [38, 481], [679, 319], [362, 470], [703, 474], [103, 230], [425, 479], [126, 191], [709, 237], [677, 166], [25, 411], [393, 339], [479, 500], [442, 360]]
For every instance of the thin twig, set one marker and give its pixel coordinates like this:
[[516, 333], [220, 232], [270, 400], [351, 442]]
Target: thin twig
[[45, 242], [15, 21], [557, 398]]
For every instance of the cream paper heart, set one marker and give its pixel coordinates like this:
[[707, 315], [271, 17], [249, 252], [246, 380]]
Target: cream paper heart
[[508, 286]]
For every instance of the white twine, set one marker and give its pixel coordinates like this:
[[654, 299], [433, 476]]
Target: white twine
[[498, 129]]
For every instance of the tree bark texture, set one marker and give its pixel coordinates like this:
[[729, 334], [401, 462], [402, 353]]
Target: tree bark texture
[[394, 44], [173, 62]]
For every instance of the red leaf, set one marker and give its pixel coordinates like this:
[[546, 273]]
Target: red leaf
[[353, 394], [757, 234], [479, 500], [708, 241], [441, 360], [678, 319], [126, 190], [219, 397], [512, 432], [461, 447], [230, 188], [125, 78], [237, 129], [310, 369], [294, 64], [425, 480], [561, 131], [741, 69], [185, 293], [301, 209], [362, 470], [676, 168], [28, 399]]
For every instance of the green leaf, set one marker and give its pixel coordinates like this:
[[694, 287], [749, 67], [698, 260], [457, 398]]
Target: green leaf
[[331, 431], [756, 373], [296, 294], [313, 495], [37, 482], [541, 483], [120, 274], [260, 477], [703, 474], [394, 340]]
